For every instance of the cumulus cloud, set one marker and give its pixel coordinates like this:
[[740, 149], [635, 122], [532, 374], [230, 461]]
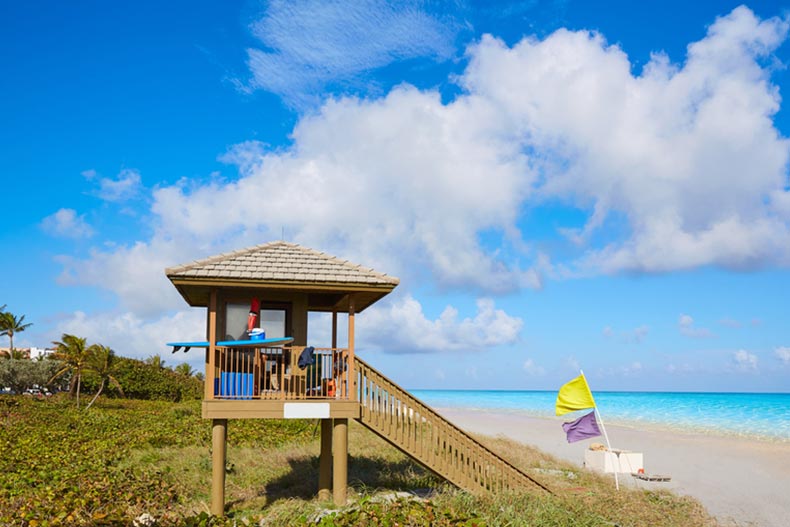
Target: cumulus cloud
[[132, 336], [66, 223], [312, 43], [685, 156], [126, 185], [783, 354], [688, 328], [688, 156], [745, 361], [134, 273], [687, 153], [402, 184], [402, 327]]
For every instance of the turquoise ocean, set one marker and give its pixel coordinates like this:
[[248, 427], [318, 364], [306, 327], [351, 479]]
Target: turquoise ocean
[[755, 415]]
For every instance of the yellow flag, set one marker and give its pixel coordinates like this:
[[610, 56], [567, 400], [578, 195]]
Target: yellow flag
[[574, 395]]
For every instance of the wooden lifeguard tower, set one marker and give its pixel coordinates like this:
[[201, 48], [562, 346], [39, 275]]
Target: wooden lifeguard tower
[[280, 377]]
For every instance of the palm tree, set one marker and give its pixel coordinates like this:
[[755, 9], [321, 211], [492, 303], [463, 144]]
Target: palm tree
[[10, 324], [17, 354], [184, 369], [156, 361], [73, 353], [101, 361]]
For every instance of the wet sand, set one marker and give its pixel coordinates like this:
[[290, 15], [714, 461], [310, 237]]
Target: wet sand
[[742, 482]]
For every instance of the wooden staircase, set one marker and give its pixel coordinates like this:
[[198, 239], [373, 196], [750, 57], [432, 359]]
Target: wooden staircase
[[431, 440]]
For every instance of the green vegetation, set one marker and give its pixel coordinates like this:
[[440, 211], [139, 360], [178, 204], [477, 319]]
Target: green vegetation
[[23, 374], [140, 380], [123, 458], [73, 354], [10, 324], [102, 363]]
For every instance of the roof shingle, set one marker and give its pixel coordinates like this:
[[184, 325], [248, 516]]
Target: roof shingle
[[281, 262]]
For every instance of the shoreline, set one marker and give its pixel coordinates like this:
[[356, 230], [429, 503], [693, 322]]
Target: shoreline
[[652, 426], [741, 481]]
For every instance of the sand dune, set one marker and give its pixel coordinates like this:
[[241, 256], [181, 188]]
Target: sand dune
[[740, 481]]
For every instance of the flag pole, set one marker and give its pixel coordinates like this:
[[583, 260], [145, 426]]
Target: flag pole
[[605, 436]]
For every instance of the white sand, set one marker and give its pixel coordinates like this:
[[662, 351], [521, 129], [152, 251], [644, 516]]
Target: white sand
[[740, 481]]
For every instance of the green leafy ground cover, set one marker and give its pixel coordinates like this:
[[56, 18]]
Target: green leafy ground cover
[[60, 466], [106, 466]]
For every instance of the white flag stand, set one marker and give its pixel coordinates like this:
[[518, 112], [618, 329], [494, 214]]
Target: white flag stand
[[605, 436]]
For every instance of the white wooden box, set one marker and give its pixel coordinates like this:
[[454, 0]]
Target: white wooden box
[[610, 460]]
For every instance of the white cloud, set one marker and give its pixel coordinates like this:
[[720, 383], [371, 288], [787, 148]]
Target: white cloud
[[313, 43], [687, 328], [402, 327], [132, 336], [533, 369], [783, 354], [745, 361], [687, 154], [126, 185], [66, 223], [407, 188], [135, 273]]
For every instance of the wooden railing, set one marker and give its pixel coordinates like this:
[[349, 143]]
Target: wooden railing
[[427, 437], [274, 374]]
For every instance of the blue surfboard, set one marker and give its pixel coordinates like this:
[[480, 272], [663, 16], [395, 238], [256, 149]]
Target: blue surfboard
[[263, 343]]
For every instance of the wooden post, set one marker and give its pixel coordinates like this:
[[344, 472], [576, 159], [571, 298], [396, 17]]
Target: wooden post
[[340, 460], [334, 328], [219, 430], [211, 352], [299, 319], [352, 396], [325, 461]]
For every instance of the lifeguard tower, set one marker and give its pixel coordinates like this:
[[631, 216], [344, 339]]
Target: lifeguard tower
[[281, 377]]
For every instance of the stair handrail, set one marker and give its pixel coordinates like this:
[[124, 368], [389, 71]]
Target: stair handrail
[[428, 411]]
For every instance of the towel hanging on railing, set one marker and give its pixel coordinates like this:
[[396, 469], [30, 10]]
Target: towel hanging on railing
[[306, 358]]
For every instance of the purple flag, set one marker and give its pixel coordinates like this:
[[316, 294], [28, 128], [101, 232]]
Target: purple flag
[[582, 428]]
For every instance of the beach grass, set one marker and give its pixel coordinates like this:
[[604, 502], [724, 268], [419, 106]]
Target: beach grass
[[125, 458]]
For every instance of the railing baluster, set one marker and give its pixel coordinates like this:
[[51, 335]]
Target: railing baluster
[[430, 438]]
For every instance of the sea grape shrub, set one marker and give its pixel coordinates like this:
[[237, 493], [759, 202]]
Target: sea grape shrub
[[22, 375], [140, 380]]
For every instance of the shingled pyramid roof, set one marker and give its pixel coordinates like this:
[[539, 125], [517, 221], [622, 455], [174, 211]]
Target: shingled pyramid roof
[[281, 265]]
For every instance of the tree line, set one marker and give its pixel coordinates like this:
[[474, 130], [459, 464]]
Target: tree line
[[79, 367]]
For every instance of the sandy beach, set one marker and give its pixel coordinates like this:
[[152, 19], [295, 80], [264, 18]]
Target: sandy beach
[[742, 482]]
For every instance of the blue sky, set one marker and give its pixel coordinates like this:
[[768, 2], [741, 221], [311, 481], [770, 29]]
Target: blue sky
[[558, 185]]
